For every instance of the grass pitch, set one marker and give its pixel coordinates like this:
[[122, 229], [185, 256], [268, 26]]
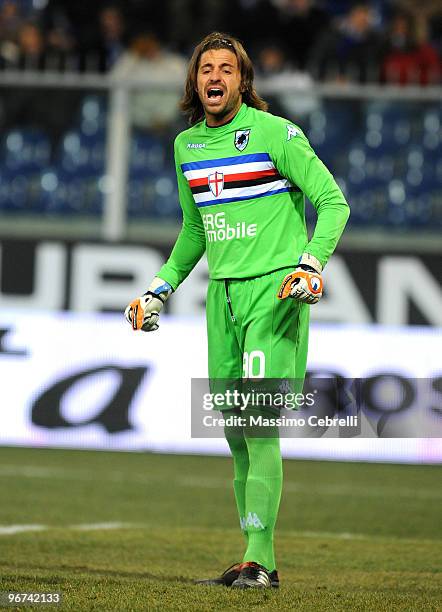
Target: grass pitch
[[121, 531]]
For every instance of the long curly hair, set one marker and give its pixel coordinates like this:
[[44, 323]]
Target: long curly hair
[[191, 104]]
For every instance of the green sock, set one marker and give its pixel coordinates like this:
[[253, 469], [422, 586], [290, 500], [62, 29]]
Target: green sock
[[263, 494], [240, 454]]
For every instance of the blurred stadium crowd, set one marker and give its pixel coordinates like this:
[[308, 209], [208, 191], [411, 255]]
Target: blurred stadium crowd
[[386, 154], [385, 41]]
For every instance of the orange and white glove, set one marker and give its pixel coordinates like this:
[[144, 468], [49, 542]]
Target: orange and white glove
[[143, 312], [305, 282]]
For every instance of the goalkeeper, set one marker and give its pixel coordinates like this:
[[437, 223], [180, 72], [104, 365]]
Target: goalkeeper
[[242, 174]]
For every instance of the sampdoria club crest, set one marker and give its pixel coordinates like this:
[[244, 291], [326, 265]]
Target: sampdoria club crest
[[241, 139]]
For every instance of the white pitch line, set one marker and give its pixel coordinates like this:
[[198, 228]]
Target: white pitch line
[[30, 471], [365, 491], [332, 535], [101, 526], [7, 530], [319, 489], [14, 529]]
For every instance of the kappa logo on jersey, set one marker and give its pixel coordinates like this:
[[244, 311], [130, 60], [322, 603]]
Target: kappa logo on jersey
[[216, 183], [196, 145], [242, 139], [292, 131]]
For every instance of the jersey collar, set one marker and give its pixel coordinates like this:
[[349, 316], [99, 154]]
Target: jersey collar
[[227, 126]]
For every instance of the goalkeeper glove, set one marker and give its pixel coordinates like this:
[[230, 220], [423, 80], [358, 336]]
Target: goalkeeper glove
[[144, 312], [305, 283]]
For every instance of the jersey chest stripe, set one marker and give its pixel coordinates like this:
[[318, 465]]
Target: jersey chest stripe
[[228, 185], [233, 193], [242, 198], [232, 169], [225, 161], [239, 176]]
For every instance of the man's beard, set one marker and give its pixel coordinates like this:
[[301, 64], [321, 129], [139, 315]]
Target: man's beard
[[229, 107]]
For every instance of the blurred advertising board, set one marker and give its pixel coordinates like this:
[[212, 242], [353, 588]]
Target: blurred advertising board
[[85, 380], [362, 286]]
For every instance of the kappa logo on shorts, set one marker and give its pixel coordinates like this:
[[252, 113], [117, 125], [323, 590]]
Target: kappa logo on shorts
[[285, 387], [242, 139]]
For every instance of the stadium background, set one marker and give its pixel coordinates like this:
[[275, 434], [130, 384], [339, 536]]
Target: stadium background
[[89, 211]]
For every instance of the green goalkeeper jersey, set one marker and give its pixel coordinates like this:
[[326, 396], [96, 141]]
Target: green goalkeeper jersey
[[241, 189]]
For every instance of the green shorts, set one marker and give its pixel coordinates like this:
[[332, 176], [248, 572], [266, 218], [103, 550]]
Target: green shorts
[[253, 335]]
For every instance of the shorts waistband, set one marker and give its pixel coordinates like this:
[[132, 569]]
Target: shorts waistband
[[245, 278]]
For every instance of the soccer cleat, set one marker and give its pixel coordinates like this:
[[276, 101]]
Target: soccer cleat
[[253, 576], [226, 578], [232, 573]]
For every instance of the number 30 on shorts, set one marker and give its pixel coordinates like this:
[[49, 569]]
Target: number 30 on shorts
[[253, 364]]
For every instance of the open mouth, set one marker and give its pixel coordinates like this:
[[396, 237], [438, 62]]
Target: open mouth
[[215, 94]]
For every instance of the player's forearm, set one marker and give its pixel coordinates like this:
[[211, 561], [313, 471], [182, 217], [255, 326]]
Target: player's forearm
[[188, 250], [333, 213]]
